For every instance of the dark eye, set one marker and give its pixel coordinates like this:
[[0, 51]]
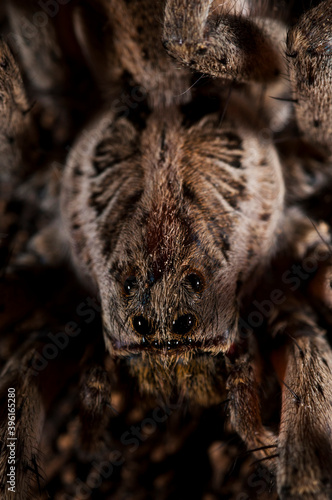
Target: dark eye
[[129, 284], [196, 282], [142, 325], [184, 324]]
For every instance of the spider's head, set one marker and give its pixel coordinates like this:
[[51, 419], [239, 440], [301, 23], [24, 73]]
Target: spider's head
[[200, 227], [173, 310], [174, 295], [174, 226]]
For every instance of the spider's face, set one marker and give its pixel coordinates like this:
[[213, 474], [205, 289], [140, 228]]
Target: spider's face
[[174, 296], [173, 310]]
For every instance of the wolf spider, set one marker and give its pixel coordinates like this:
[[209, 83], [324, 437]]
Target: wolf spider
[[195, 204]]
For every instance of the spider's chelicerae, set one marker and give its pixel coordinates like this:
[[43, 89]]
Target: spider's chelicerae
[[195, 203]]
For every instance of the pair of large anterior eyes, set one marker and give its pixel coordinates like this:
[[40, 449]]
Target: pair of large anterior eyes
[[181, 326], [195, 281]]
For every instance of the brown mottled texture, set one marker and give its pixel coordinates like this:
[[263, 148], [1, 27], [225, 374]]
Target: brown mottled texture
[[28, 425], [309, 52], [304, 367], [223, 44], [123, 26], [198, 223], [41, 37], [17, 129]]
